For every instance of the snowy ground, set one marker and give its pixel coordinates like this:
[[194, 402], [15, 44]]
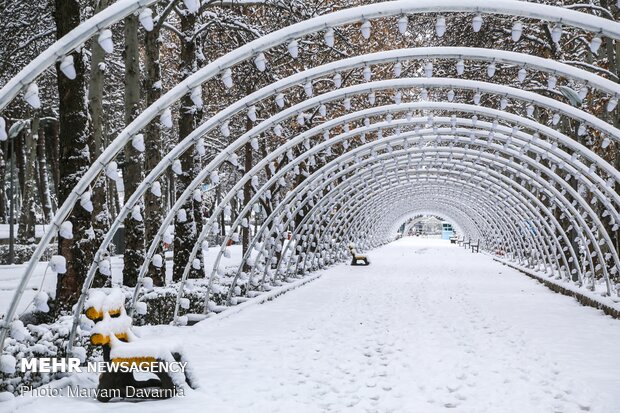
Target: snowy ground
[[428, 327]]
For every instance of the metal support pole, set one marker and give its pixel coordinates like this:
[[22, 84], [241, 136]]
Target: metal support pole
[[12, 205]]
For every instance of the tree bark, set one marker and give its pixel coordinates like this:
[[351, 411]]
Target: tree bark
[[185, 232], [247, 194], [27, 216], [3, 194], [52, 151], [99, 198], [74, 159], [132, 170], [153, 207], [45, 193]]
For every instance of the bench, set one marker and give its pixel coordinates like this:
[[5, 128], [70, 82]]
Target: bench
[[123, 349], [453, 240], [466, 243], [356, 258], [475, 247]]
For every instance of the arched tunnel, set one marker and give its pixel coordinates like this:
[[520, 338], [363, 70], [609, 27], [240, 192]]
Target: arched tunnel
[[365, 142]]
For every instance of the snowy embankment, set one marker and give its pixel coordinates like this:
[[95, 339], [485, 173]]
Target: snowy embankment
[[597, 298], [426, 327]]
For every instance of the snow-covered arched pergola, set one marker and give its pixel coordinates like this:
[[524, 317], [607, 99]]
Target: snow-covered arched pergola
[[505, 178]]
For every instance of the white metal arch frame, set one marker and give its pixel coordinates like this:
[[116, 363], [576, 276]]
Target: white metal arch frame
[[262, 128], [514, 154], [538, 11], [478, 210], [118, 11], [566, 70], [188, 193], [364, 222], [233, 224], [371, 210], [535, 62], [485, 241], [369, 86], [289, 112], [470, 196], [377, 210], [306, 215], [364, 207], [197, 182]]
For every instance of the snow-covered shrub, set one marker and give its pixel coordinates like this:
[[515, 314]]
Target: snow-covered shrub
[[39, 340]]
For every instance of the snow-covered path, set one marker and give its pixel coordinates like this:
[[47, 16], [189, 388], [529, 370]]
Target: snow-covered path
[[427, 327]]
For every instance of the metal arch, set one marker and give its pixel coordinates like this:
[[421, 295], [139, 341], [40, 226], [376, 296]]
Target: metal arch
[[296, 229], [508, 234], [345, 219], [69, 42], [366, 207], [541, 206], [498, 215], [349, 189], [380, 234], [499, 148], [522, 201], [363, 207], [188, 142], [297, 161], [191, 187], [347, 184], [358, 224], [556, 223], [355, 225], [271, 89], [256, 130], [334, 95], [351, 232], [223, 202], [526, 212], [517, 240], [116, 12], [390, 8]]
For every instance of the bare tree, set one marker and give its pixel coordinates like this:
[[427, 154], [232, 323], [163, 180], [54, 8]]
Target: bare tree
[[74, 159]]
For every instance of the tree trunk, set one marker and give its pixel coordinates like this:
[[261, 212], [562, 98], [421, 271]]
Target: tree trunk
[[52, 151], [27, 216], [74, 160], [45, 193], [3, 183], [185, 232], [132, 170], [153, 210], [247, 194], [100, 214]]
